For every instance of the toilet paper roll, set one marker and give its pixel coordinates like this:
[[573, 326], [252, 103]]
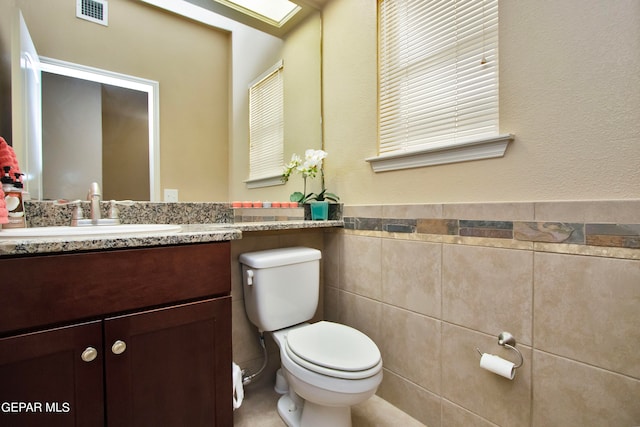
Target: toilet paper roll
[[498, 365], [238, 391]]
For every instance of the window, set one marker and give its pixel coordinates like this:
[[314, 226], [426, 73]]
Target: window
[[438, 83], [266, 129]]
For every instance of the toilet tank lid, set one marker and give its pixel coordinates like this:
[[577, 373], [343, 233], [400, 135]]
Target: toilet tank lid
[[279, 257]]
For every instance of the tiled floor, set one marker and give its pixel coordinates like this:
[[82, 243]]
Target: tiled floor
[[259, 410]]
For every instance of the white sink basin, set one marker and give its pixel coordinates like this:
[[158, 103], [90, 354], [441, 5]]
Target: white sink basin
[[90, 230]]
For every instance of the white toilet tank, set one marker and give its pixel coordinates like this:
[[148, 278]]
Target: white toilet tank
[[281, 286]]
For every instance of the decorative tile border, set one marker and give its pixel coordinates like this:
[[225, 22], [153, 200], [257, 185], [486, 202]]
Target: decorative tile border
[[615, 235], [608, 235], [549, 232]]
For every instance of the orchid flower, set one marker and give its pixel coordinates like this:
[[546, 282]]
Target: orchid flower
[[310, 166]]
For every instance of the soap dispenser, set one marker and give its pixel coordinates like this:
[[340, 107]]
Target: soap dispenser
[[13, 199]]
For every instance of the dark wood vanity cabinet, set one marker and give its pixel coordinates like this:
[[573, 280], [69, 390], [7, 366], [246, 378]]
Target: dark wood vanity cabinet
[[134, 337], [44, 382]]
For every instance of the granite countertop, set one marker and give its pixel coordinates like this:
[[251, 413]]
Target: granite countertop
[[190, 233]]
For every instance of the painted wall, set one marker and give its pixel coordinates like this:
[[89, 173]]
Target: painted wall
[[569, 91]]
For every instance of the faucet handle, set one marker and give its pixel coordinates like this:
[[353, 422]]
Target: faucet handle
[[113, 207], [113, 210], [78, 213]]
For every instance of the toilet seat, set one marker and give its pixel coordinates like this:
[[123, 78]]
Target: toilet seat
[[334, 350]]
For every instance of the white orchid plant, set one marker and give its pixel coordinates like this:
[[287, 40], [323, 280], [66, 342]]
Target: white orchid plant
[[309, 167]]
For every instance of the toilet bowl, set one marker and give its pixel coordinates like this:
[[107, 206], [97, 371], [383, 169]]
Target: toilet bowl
[[329, 365]]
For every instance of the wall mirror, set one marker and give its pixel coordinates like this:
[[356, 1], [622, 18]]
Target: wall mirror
[[202, 75], [107, 123]]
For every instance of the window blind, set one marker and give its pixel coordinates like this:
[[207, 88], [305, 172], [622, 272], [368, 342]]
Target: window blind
[[266, 126], [438, 71]]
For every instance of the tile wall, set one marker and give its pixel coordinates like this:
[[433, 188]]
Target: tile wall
[[430, 283]]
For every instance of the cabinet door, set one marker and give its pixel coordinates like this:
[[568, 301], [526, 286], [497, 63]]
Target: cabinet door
[[170, 366], [45, 380]]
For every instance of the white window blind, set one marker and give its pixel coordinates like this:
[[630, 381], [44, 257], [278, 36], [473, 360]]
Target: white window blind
[[438, 66], [266, 126]]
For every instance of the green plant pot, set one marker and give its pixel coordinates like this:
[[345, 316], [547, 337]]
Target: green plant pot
[[319, 210]]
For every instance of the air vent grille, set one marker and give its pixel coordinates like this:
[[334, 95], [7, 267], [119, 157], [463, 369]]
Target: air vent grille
[[92, 10]]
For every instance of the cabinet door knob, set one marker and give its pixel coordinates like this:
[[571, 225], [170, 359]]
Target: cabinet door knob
[[89, 354], [118, 347]]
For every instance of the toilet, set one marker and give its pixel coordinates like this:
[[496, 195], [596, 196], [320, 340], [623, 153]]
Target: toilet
[[328, 367]]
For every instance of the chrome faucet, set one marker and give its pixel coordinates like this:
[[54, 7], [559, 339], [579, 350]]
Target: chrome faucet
[[94, 197]]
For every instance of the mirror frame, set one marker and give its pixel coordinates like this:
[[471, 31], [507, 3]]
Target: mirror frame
[[151, 87]]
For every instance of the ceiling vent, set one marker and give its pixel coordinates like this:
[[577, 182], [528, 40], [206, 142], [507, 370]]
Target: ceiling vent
[[92, 10]]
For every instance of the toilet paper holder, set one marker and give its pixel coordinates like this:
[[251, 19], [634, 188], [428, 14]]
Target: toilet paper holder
[[507, 340]]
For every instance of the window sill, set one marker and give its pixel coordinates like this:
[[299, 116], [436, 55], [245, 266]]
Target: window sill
[[486, 148], [267, 181]]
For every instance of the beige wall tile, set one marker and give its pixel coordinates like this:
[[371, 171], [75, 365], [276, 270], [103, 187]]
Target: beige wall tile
[[254, 242], [245, 335], [377, 412], [410, 344], [411, 276], [454, 415], [309, 238], [331, 259], [488, 289], [361, 313], [268, 376], [396, 291], [364, 211], [568, 393], [412, 211], [416, 401], [497, 399], [587, 308], [360, 270], [489, 211], [613, 211], [331, 295], [237, 292]]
